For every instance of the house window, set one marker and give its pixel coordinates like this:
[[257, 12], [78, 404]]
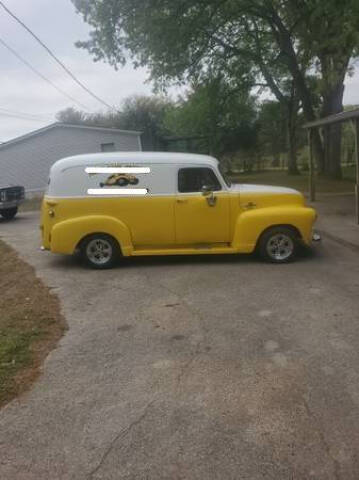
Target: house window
[[107, 147], [193, 179]]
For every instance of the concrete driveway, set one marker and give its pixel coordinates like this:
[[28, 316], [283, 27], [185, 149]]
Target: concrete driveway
[[192, 368]]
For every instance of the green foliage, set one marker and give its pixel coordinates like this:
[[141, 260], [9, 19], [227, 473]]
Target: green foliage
[[146, 114], [180, 39], [212, 109], [143, 113], [265, 43], [225, 118]]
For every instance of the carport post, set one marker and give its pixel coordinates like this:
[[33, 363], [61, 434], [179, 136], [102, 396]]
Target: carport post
[[356, 129], [311, 167]]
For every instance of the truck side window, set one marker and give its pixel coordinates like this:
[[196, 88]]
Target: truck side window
[[193, 179]]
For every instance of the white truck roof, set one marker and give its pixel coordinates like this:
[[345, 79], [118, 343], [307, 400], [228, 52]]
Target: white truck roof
[[134, 157]]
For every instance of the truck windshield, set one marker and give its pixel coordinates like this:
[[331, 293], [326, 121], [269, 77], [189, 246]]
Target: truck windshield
[[224, 175]]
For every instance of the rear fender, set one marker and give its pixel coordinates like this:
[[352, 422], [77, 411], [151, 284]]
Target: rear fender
[[66, 235], [252, 223]]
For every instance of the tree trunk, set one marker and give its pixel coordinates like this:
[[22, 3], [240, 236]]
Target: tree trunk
[[285, 43], [333, 104], [318, 150], [293, 107], [292, 160]]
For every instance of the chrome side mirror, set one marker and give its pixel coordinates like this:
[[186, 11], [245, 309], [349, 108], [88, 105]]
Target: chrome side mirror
[[206, 190]]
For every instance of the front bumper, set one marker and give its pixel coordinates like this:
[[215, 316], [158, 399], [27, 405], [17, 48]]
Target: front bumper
[[11, 204]]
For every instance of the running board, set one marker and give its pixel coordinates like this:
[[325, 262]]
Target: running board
[[183, 251]]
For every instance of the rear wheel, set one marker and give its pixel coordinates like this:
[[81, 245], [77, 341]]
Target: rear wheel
[[8, 213], [100, 251], [278, 245]]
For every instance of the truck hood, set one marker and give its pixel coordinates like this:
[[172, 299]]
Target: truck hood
[[247, 188]]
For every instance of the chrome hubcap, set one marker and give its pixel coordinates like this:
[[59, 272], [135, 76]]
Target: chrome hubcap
[[280, 246], [99, 251]]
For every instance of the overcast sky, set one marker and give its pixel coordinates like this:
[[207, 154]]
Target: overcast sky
[[58, 25]]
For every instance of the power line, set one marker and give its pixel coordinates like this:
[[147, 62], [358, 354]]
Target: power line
[[12, 115], [19, 57], [4, 112], [34, 115], [54, 56]]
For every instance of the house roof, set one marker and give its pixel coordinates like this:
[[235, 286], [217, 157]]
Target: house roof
[[338, 118], [66, 125]]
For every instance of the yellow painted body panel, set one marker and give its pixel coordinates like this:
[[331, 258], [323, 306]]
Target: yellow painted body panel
[[132, 221], [269, 210], [173, 224], [196, 222], [251, 224]]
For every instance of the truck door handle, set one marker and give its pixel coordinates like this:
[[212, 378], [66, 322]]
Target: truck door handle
[[211, 200], [181, 201]]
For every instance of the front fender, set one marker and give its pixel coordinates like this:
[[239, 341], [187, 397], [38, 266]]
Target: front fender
[[252, 223], [66, 235]]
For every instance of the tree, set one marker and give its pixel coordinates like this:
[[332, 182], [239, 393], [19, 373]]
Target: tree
[[214, 110], [72, 116], [330, 32], [143, 113], [181, 40], [147, 114]]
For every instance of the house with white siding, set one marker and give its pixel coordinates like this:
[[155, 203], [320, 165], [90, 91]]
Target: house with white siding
[[26, 160]]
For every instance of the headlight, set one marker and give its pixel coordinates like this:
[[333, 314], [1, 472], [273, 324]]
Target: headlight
[[2, 196]]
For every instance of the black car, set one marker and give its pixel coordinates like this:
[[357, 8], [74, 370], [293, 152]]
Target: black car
[[10, 199]]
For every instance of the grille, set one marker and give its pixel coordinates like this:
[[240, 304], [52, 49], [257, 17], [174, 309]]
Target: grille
[[13, 193]]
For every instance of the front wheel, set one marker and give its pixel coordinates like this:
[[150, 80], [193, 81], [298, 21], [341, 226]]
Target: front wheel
[[278, 245], [8, 213], [100, 251]]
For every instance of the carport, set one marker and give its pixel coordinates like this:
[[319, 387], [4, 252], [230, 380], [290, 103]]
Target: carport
[[352, 116]]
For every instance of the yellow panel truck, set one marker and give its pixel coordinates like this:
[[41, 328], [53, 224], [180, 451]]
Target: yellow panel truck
[[110, 205]]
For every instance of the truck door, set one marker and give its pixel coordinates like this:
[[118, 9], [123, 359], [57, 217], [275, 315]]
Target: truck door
[[202, 208]]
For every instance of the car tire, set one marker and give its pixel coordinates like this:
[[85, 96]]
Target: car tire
[[100, 251], [278, 245], [8, 213]]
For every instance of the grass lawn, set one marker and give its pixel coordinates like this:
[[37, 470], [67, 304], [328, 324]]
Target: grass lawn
[[299, 182], [30, 324]]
